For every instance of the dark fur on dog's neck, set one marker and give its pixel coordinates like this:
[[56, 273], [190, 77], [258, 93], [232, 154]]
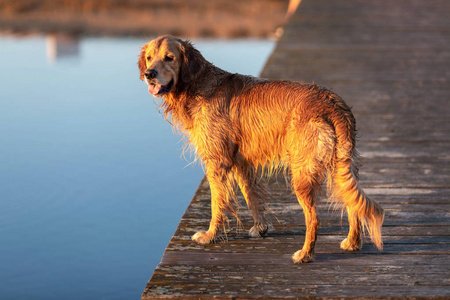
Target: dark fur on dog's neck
[[200, 82]]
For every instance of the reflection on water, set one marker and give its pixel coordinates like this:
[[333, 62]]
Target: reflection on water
[[92, 185], [62, 46]]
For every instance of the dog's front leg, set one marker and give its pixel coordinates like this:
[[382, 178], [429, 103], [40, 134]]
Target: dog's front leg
[[221, 183]]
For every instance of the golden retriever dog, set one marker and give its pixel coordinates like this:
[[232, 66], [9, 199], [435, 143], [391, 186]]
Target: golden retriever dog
[[241, 125]]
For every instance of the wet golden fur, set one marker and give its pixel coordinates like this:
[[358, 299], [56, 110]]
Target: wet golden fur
[[240, 124]]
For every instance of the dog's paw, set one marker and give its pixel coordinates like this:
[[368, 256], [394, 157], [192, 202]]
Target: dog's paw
[[351, 246], [258, 231], [203, 237], [301, 257]]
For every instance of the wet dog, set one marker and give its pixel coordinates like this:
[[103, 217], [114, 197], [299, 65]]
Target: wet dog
[[240, 125]]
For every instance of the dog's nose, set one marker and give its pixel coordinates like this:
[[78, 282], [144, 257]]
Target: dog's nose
[[150, 74]]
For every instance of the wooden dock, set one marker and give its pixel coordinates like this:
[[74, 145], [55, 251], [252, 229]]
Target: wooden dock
[[390, 60]]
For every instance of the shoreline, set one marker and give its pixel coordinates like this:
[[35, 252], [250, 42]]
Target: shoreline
[[140, 18]]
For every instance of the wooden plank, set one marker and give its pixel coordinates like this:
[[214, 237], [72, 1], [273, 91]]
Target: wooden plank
[[295, 216], [205, 258], [296, 291], [390, 61], [324, 277], [289, 247]]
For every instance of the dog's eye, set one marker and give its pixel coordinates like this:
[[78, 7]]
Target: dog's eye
[[149, 58], [168, 58]]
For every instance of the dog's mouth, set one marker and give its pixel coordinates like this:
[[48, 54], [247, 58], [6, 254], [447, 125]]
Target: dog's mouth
[[158, 89]]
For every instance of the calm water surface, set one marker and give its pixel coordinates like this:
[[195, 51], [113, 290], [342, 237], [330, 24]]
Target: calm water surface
[[92, 184]]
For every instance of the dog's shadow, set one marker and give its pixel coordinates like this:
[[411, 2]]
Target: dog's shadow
[[327, 248]]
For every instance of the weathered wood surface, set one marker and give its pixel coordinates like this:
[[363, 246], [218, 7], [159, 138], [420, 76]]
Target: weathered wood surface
[[390, 60]]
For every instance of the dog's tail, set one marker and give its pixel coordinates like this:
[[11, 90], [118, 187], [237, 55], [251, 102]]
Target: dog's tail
[[343, 176]]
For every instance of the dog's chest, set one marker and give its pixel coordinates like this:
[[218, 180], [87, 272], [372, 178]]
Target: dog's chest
[[200, 130], [211, 132]]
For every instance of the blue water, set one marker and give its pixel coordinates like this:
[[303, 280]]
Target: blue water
[[92, 181]]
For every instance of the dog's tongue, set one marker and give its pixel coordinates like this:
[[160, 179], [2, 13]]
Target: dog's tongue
[[154, 89]]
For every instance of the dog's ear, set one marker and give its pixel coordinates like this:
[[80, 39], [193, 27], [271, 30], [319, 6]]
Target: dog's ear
[[141, 62], [192, 61]]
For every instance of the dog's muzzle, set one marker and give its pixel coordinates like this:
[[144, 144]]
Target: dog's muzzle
[[154, 87]]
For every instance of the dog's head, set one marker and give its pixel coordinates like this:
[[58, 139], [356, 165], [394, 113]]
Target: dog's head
[[167, 64]]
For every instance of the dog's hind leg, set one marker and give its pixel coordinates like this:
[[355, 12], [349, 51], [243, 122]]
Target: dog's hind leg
[[306, 196], [362, 211], [310, 150], [354, 240], [254, 196]]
